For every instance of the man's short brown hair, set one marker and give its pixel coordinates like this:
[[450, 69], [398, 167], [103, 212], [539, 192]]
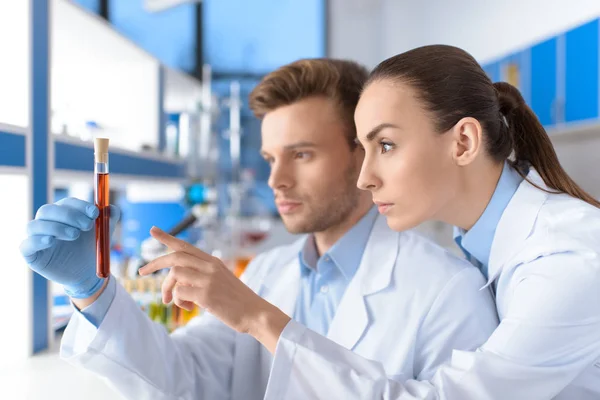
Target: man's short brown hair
[[340, 80]]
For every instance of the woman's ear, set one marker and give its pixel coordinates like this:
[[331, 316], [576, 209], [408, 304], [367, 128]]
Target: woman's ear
[[467, 137]]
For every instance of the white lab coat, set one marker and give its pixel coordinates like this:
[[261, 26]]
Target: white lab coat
[[409, 305], [545, 267]]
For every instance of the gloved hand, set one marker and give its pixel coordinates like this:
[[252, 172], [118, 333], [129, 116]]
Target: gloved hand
[[61, 245]]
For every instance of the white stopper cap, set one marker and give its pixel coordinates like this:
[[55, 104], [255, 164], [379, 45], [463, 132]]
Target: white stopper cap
[[101, 150]]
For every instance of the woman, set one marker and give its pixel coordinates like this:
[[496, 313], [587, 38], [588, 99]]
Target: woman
[[444, 143]]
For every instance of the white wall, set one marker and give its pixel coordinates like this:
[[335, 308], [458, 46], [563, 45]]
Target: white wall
[[14, 67], [488, 29], [372, 30], [98, 75], [403, 26], [368, 31], [354, 30]]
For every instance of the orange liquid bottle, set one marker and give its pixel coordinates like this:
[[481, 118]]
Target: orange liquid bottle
[[101, 194], [241, 262]]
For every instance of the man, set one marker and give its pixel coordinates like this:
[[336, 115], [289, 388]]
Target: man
[[391, 297]]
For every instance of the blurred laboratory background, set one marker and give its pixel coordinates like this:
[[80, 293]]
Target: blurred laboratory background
[[167, 82]]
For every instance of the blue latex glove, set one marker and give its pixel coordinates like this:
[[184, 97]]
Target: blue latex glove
[[61, 245]]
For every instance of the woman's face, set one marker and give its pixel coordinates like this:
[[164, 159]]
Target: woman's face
[[409, 167]]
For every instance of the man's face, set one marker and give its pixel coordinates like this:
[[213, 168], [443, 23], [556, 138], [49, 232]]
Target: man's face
[[313, 170]]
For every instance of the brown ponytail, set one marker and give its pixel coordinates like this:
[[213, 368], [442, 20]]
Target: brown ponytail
[[452, 86], [532, 145]]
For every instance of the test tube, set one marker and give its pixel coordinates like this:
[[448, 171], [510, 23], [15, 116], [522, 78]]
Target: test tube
[[101, 194]]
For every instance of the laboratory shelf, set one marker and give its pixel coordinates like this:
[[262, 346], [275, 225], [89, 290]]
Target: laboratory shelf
[[75, 155], [578, 129], [17, 130], [87, 74], [12, 146]]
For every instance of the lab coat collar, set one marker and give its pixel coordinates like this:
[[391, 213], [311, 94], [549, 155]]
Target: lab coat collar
[[379, 258], [516, 223], [476, 243], [281, 284], [373, 275]]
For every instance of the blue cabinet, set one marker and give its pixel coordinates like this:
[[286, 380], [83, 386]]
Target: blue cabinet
[[581, 73], [565, 76], [90, 5], [516, 70], [544, 79], [493, 71], [12, 149], [138, 218]]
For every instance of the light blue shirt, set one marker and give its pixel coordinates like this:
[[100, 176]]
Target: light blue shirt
[[325, 279], [477, 242], [96, 311]]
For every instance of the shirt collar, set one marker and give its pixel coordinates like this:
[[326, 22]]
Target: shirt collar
[[308, 256], [346, 253], [477, 242]]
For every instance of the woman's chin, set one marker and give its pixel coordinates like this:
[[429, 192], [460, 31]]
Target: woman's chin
[[402, 222]]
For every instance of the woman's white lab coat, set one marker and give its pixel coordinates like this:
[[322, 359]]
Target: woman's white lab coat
[[545, 268], [408, 306]]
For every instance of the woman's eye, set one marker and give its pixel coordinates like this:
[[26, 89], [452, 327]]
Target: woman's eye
[[385, 147]]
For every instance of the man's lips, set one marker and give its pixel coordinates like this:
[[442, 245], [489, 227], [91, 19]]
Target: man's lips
[[287, 206]]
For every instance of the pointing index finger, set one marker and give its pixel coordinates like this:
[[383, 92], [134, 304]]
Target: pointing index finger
[[177, 244]]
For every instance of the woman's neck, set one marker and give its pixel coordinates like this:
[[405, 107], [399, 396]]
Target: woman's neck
[[477, 184]]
